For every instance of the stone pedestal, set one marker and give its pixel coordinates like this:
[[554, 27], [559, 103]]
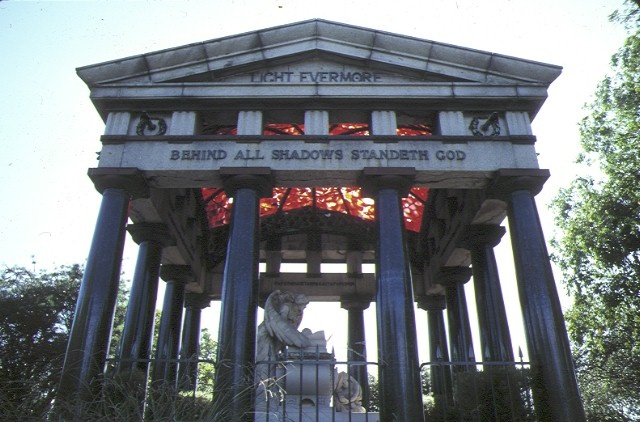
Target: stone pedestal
[[304, 387]]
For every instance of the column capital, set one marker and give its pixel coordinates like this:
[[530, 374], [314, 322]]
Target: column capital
[[448, 276], [154, 232], [507, 181], [176, 273], [374, 179], [480, 234], [354, 304], [433, 303], [258, 178], [128, 178], [197, 300]]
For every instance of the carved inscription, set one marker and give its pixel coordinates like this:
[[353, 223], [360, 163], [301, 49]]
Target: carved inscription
[[316, 77], [318, 154]]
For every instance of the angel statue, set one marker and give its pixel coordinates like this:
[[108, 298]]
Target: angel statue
[[347, 394], [282, 317]]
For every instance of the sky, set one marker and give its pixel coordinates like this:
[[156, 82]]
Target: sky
[[49, 130]]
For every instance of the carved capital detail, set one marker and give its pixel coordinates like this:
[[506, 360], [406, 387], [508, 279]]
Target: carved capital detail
[[130, 179], [258, 178], [176, 273], [373, 179], [482, 234], [448, 276], [433, 303], [197, 300], [154, 232], [507, 181]]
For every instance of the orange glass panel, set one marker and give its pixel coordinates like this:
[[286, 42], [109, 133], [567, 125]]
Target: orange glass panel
[[414, 130], [217, 206], [413, 208], [298, 198], [352, 129], [283, 129], [330, 199], [219, 130], [345, 200]]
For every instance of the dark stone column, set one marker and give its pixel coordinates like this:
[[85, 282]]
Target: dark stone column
[[555, 388], [190, 350], [399, 377], [357, 346], [237, 332], [495, 338], [91, 332], [165, 365], [135, 348], [460, 340], [440, 369]]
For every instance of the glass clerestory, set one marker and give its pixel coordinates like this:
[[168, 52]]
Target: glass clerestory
[[344, 200]]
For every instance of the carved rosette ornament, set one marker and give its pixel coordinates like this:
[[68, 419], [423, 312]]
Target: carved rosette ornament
[[154, 126], [490, 127]]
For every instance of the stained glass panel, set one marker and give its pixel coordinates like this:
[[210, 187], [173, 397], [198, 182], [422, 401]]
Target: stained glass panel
[[345, 200]]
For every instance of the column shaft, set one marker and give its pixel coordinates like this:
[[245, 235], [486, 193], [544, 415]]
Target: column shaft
[[165, 367], [91, 331], [139, 320], [495, 338], [237, 332], [399, 379], [188, 370], [440, 370], [357, 347], [461, 342], [556, 392]]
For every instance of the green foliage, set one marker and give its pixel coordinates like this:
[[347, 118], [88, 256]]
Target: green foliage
[[497, 393], [374, 394], [206, 370], [599, 250], [36, 313]]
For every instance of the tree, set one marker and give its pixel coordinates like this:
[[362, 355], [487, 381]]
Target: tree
[[36, 314], [598, 251], [206, 369]]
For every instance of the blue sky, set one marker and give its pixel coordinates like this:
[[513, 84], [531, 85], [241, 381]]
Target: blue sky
[[49, 130]]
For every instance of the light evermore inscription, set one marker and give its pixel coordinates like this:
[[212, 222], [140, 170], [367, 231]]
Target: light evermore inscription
[[316, 77], [318, 154]]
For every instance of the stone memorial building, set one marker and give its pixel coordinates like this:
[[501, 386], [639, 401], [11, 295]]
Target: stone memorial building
[[319, 142]]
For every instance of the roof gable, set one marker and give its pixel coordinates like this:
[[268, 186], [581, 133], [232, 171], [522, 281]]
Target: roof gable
[[320, 46]]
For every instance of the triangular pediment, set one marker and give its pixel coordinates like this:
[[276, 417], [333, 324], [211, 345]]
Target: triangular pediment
[[319, 51], [317, 68]]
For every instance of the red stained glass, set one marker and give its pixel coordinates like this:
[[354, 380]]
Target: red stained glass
[[217, 206], [283, 129], [414, 130], [346, 129], [345, 200], [351, 129]]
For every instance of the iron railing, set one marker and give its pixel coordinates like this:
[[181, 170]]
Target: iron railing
[[303, 386]]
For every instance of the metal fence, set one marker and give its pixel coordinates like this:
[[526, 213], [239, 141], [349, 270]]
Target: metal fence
[[477, 391], [316, 387]]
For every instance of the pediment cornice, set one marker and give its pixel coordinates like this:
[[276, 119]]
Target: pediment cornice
[[408, 59]]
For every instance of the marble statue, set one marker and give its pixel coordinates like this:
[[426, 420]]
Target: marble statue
[[347, 394], [295, 375], [282, 317]]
